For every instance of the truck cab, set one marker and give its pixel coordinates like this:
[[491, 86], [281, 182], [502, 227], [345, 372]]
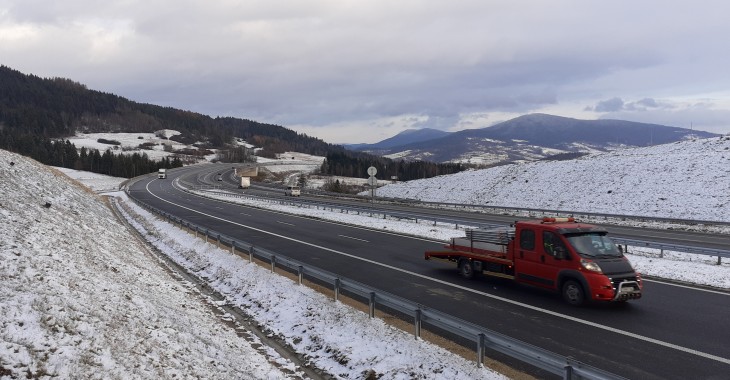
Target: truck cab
[[579, 260], [162, 174]]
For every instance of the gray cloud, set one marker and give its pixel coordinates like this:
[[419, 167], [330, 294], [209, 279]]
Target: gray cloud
[[610, 105], [320, 64]]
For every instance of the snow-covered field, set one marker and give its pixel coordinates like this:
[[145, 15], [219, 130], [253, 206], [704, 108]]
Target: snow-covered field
[[82, 299], [130, 143], [292, 162], [684, 180]]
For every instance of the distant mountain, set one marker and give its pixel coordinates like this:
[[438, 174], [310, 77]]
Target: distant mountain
[[408, 136], [537, 136]]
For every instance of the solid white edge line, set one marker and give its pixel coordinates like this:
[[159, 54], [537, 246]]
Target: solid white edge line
[[516, 303], [686, 286]]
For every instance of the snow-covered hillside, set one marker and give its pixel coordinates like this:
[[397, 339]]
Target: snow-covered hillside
[[80, 298], [151, 144], [687, 180]]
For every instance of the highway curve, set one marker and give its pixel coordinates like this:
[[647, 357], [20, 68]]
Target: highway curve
[[674, 332]]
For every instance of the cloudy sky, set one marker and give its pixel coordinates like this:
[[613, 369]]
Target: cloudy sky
[[360, 71]]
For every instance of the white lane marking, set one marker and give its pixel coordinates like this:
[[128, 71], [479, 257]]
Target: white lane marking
[[687, 287], [354, 238], [442, 282], [278, 221], [243, 213]]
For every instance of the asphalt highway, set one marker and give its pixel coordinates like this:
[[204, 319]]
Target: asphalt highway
[[673, 332]]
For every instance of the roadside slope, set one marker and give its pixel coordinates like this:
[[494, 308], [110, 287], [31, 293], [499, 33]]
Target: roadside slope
[[79, 298]]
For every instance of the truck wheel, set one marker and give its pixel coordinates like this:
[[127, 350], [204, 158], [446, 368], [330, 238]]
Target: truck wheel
[[573, 293], [466, 269]]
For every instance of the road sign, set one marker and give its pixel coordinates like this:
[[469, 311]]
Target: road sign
[[372, 181], [372, 171]]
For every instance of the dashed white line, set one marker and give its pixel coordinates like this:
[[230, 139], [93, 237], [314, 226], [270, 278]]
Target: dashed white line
[[288, 224], [354, 238]]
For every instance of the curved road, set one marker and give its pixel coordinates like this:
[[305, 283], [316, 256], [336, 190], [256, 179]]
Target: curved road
[[674, 332]]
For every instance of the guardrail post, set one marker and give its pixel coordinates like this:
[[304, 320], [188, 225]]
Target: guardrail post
[[568, 375], [273, 264], [300, 273], [337, 289], [480, 350], [417, 323], [371, 305]]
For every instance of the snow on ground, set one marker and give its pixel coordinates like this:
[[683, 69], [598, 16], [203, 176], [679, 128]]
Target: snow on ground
[[79, 298], [684, 180], [296, 156], [336, 338], [130, 143], [292, 161], [94, 181], [317, 181]]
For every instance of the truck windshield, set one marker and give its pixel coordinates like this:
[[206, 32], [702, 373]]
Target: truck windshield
[[593, 245]]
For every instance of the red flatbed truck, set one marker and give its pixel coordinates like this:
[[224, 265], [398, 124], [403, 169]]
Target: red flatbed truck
[[578, 260]]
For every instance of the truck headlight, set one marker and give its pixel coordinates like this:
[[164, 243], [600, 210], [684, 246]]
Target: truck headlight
[[591, 266]]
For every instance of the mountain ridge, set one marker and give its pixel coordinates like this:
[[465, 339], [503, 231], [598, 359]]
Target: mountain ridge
[[537, 136]]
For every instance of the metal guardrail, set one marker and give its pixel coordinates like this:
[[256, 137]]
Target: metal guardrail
[[483, 339], [720, 253], [549, 212]]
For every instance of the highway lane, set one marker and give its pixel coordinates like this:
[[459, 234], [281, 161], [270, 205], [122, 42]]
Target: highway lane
[[614, 338]]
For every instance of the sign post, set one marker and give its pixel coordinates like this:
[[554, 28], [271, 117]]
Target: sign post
[[372, 181]]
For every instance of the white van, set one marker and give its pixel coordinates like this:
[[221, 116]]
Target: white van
[[162, 173], [294, 191]]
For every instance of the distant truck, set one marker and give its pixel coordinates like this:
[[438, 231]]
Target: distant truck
[[293, 191], [162, 173], [578, 260], [245, 183]]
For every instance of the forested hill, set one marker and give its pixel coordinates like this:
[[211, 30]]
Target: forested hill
[[58, 107], [35, 112]]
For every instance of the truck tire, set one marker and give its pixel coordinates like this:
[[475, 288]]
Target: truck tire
[[573, 293], [466, 269]]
